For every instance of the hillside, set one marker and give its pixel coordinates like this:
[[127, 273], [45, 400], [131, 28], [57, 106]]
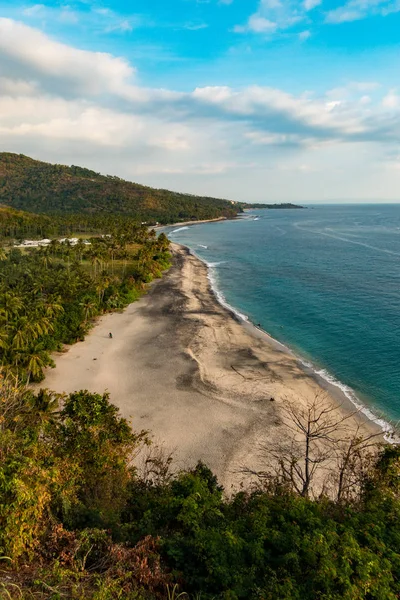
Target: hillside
[[282, 205], [40, 187]]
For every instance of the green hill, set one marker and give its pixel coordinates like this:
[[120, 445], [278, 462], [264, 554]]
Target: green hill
[[40, 187]]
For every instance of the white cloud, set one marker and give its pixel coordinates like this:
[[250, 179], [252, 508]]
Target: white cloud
[[34, 52], [257, 24], [364, 86], [275, 139], [354, 10], [310, 4], [40, 11], [304, 35], [195, 27], [125, 26], [67, 105], [16, 87], [93, 17], [34, 10], [391, 100], [275, 15]]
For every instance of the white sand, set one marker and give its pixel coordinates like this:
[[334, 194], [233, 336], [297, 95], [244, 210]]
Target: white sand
[[185, 369]]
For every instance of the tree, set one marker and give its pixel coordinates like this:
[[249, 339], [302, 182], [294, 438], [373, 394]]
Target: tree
[[36, 360], [44, 406], [354, 459], [91, 432], [10, 305], [319, 453], [89, 308]]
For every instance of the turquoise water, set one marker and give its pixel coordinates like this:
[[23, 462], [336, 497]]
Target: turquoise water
[[325, 281]]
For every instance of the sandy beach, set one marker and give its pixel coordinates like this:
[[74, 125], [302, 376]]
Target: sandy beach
[[183, 367], [188, 223]]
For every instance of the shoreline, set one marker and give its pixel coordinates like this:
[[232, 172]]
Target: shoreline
[[189, 223], [327, 381], [189, 371]]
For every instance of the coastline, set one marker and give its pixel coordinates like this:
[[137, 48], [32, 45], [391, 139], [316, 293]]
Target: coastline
[[340, 391], [189, 223], [190, 371]]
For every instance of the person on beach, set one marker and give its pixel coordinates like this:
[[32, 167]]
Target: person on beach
[[110, 335]]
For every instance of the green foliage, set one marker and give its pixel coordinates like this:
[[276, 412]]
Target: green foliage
[[282, 205], [40, 187], [50, 295], [90, 434], [274, 545], [76, 516], [30, 473]]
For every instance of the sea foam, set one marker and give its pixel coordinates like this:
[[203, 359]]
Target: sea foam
[[351, 395], [211, 275], [387, 429], [179, 229]]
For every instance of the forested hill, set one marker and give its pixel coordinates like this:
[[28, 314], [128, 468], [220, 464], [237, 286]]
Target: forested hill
[[283, 205], [41, 187]]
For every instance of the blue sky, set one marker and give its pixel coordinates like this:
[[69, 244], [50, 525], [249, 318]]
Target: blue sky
[[258, 100]]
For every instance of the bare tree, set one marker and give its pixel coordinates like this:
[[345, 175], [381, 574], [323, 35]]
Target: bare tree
[[317, 453], [354, 458], [154, 464]]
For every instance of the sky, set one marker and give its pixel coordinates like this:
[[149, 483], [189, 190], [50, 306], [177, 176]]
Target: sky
[[251, 100]]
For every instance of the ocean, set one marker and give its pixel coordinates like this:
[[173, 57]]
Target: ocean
[[325, 281]]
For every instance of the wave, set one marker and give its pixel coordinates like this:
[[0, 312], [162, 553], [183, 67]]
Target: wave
[[212, 265], [202, 246], [221, 298], [211, 275], [387, 429], [179, 229]]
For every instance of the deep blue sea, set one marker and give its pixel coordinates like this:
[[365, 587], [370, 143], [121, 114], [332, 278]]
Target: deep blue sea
[[325, 281]]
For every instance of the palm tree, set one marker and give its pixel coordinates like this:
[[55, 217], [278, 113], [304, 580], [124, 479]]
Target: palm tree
[[80, 248], [10, 305], [53, 308], [45, 258], [54, 246], [36, 360], [44, 405], [89, 308], [124, 255], [95, 260], [102, 285], [3, 339], [28, 330], [112, 249]]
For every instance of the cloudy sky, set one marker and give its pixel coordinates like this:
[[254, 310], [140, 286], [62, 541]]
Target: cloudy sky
[[255, 100]]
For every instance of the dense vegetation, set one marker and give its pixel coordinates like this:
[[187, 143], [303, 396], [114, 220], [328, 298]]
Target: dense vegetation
[[78, 521], [283, 205], [49, 295], [19, 225], [40, 187]]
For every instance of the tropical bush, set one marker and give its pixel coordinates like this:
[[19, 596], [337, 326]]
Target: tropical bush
[[49, 296], [81, 520]]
